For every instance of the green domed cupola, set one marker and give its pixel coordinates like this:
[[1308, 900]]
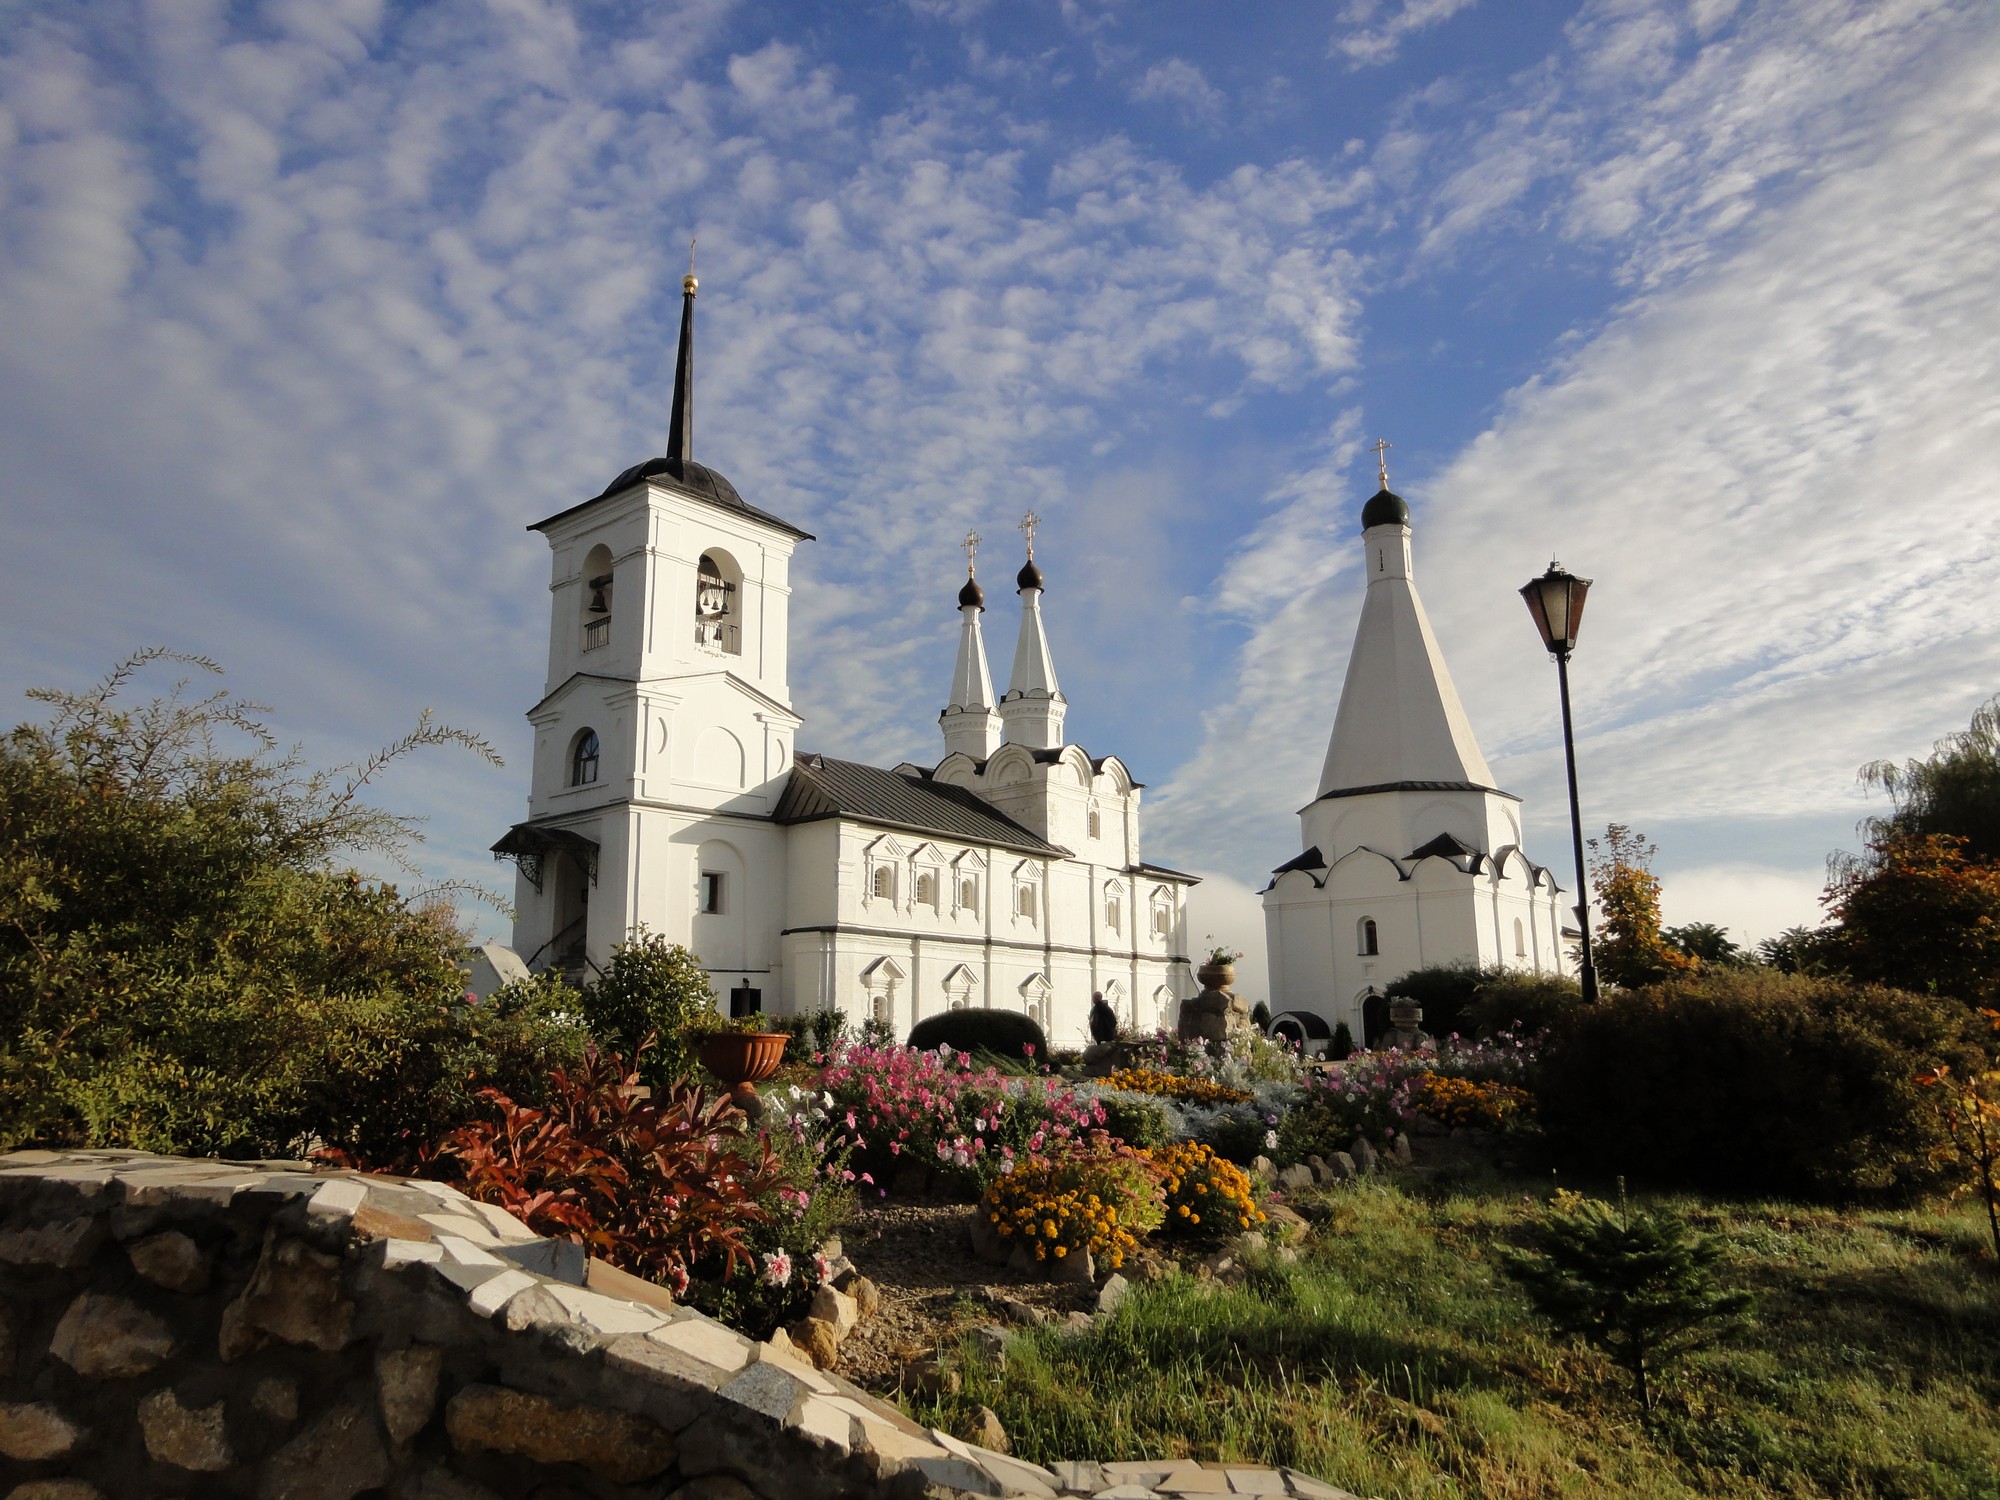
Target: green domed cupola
[[1386, 508]]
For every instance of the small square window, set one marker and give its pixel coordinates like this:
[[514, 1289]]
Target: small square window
[[709, 898]]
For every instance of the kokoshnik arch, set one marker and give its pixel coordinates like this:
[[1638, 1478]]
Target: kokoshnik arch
[[668, 791]]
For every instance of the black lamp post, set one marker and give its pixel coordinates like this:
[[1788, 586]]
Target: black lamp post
[[1556, 601]]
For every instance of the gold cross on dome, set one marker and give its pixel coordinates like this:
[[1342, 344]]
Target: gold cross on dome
[[1028, 524], [970, 546], [1381, 452]]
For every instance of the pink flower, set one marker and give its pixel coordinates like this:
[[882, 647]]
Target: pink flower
[[777, 1268], [822, 1269]]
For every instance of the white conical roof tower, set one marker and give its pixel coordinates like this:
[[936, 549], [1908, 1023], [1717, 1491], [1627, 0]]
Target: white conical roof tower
[[1400, 720], [969, 721], [1034, 705]]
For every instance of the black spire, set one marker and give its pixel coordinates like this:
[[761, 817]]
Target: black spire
[[680, 425]]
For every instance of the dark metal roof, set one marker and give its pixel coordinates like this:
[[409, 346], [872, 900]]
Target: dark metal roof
[[1310, 860], [1030, 577], [1447, 844], [1051, 756], [822, 787], [694, 480], [972, 593], [1145, 868], [1414, 786], [1386, 508]]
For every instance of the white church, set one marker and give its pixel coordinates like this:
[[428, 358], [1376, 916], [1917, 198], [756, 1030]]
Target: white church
[[1412, 856], [668, 790]]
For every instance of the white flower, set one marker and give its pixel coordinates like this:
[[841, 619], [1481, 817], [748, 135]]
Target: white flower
[[1270, 1140]]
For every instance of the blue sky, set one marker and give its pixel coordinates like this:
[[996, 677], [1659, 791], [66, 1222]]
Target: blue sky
[[313, 305]]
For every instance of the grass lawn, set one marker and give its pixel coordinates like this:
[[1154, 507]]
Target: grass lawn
[[1395, 1360]]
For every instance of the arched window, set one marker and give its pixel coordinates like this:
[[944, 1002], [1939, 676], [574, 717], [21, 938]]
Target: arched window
[[927, 889], [583, 759], [1163, 914], [1024, 900], [597, 598], [716, 627], [1114, 908], [1096, 823], [968, 893], [1367, 939], [884, 884], [1520, 939]]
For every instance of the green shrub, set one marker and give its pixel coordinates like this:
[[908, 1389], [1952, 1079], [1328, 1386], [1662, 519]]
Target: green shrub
[[1517, 1001], [1136, 1120], [650, 988], [1341, 1047], [1751, 1081], [1005, 1032], [814, 1031], [1443, 990]]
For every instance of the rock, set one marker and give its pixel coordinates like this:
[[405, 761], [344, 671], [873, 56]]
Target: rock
[[110, 1338], [172, 1260], [1251, 1243], [436, 1482], [335, 1458], [1364, 1154], [985, 1430], [911, 1181], [276, 1399], [1078, 1322], [1319, 1168], [1426, 1125], [992, 1342], [193, 1440], [835, 1308], [714, 1487], [294, 1295], [406, 1386], [1339, 1167], [55, 1489], [1295, 1179], [1263, 1167], [1399, 1148], [65, 1245], [1112, 1292], [928, 1378], [1285, 1255], [832, 1249], [614, 1445], [1075, 1267], [1284, 1224], [1020, 1258], [1218, 1263], [867, 1297], [816, 1340], [32, 1430], [1024, 1314], [6, 1343], [779, 1346]]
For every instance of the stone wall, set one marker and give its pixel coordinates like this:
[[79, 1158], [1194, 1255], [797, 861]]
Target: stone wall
[[184, 1328]]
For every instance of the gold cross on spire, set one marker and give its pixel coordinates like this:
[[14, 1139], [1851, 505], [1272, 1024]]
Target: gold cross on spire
[[1381, 452], [970, 546], [1028, 524], [688, 283]]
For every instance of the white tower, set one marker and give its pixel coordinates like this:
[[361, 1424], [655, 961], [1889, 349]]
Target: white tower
[[969, 722], [1034, 706], [666, 728], [1412, 855]]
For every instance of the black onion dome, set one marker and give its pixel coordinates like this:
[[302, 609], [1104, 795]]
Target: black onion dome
[[972, 593], [1385, 509], [1030, 576]]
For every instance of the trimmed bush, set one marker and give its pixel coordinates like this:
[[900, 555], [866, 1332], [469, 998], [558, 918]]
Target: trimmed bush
[[1750, 1081], [1443, 990], [1519, 1002], [1005, 1032], [1137, 1121]]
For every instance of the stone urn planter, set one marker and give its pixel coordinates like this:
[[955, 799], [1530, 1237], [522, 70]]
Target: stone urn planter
[[1216, 976], [742, 1059]]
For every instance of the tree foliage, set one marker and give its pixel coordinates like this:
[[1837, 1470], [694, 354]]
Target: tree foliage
[[1706, 942], [642, 1002], [184, 964], [1955, 790], [1920, 914], [1629, 948], [1639, 1284], [1969, 1105]]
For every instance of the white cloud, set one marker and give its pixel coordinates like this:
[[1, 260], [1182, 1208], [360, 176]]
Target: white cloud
[[1371, 31], [1179, 82], [1222, 909], [1754, 902]]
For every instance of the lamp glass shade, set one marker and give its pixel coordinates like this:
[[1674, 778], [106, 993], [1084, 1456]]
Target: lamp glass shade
[[1556, 601]]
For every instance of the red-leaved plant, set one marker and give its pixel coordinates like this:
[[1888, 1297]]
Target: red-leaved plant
[[663, 1188]]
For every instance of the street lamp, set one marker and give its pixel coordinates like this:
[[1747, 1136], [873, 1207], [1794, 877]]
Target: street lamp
[[1556, 601]]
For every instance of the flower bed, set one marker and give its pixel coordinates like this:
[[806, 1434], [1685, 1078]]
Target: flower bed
[[1204, 1191], [1175, 1086], [1467, 1103], [1098, 1197]]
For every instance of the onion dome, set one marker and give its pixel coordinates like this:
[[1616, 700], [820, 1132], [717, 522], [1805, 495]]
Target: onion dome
[[1385, 509], [1030, 576], [972, 594]]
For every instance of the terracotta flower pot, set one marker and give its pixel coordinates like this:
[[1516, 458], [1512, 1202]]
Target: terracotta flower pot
[[1216, 976], [742, 1059]]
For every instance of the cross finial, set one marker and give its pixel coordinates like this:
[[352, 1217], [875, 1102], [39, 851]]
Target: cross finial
[[970, 546], [1381, 452], [1028, 524], [688, 283]]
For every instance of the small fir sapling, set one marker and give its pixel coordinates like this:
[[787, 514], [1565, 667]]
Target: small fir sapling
[[1260, 1017], [1342, 1046], [1103, 1020], [1639, 1284]]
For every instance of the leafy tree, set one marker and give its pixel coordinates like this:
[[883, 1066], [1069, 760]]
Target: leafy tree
[[1260, 1017], [185, 966], [650, 989], [1706, 942], [1955, 790], [1920, 914], [1630, 949], [1443, 990], [1969, 1106], [1639, 1284], [1799, 950]]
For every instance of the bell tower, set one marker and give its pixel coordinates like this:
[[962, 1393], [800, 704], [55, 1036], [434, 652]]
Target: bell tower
[[666, 715]]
